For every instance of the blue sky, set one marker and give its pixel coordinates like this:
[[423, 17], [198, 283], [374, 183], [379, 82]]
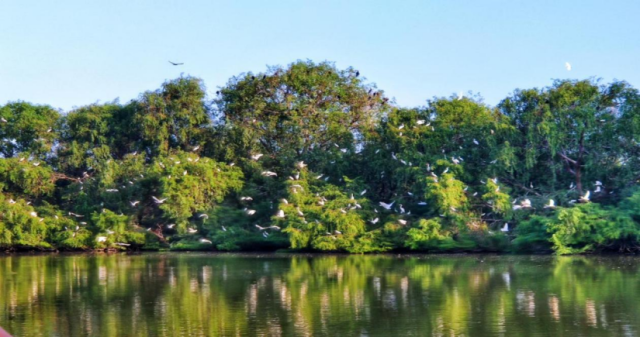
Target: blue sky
[[72, 53]]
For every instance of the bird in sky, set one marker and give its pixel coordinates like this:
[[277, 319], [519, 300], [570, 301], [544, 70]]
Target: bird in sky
[[568, 66], [176, 63]]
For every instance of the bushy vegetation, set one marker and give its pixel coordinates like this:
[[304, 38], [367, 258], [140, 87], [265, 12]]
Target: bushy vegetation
[[311, 157]]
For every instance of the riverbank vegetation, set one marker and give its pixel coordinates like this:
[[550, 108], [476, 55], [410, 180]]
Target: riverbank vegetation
[[315, 158]]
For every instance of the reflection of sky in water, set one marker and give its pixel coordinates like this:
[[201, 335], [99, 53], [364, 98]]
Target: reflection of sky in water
[[281, 295]]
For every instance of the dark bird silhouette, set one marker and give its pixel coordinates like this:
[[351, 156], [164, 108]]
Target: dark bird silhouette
[[176, 64], [357, 73], [264, 77]]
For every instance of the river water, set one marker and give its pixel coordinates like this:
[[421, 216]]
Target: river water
[[318, 295]]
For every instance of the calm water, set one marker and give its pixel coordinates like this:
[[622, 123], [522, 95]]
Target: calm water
[[295, 295]]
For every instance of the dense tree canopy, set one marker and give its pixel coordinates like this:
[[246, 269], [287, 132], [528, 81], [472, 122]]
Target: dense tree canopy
[[312, 157]]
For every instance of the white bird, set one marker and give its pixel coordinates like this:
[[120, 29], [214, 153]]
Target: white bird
[[422, 203], [170, 226], [401, 127], [184, 173], [11, 201], [387, 206], [420, 121], [475, 142], [36, 164], [101, 238], [445, 171], [34, 214], [568, 66], [192, 230], [402, 222], [301, 164], [455, 161], [203, 216], [343, 150], [320, 176], [203, 240], [363, 192], [401, 209], [585, 197], [256, 156], [375, 221], [269, 174], [285, 201], [250, 211], [158, 201], [299, 211], [460, 95], [280, 214], [3, 120], [265, 234], [134, 203], [551, 204], [598, 183], [112, 190], [505, 228], [196, 148], [337, 232], [598, 189], [123, 244], [246, 198]]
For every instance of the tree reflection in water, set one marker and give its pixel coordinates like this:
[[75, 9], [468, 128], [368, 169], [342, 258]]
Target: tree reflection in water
[[283, 295]]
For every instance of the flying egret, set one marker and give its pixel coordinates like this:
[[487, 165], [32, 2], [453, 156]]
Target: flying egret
[[375, 221], [568, 66], [387, 206], [585, 197], [158, 201], [256, 156]]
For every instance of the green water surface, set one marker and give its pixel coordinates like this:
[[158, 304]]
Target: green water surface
[[318, 295]]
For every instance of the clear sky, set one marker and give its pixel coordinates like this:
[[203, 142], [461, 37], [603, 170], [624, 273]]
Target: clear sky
[[72, 53]]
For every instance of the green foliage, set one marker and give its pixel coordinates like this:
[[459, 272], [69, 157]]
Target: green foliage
[[312, 157]]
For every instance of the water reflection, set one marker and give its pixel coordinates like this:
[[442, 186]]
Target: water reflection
[[280, 295]]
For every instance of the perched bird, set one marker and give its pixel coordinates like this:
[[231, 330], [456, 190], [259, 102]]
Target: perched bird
[[420, 122], [505, 228], [476, 142], [363, 192], [203, 240], [301, 165], [192, 230], [256, 156], [375, 221], [205, 216], [176, 63], [196, 148], [269, 174], [101, 239], [285, 201], [422, 203], [402, 222], [246, 198], [170, 226], [299, 211], [280, 214], [551, 204], [250, 211]]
